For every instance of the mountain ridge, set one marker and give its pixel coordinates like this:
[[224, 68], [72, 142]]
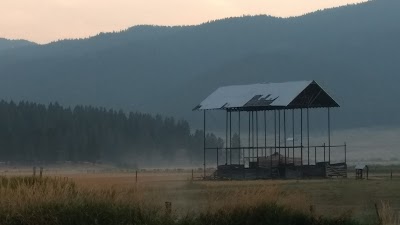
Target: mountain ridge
[[170, 70], [11, 44]]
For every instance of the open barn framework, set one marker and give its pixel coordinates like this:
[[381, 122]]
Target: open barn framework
[[255, 160]]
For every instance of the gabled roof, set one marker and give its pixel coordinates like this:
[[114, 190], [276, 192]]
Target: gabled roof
[[268, 96]]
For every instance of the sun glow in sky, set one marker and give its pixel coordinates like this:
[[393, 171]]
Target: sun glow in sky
[[48, 20]]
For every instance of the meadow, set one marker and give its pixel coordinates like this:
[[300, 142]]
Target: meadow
[[115, 197]]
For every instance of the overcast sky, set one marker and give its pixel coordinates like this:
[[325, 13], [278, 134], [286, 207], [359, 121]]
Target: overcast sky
[[43, 21]]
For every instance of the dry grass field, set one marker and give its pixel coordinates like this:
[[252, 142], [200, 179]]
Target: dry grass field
[[331, 198]]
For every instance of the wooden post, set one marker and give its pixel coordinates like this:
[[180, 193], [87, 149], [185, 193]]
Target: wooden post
[[217, 158], [239, 138], [315, 155], [168, 208], [204, 145], [34, 171], [329, 154], [192, 174], [391, 174], [41, 172], [136, 177], [312, 209]]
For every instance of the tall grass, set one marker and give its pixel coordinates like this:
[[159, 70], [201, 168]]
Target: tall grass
[[45, 201], [42, 201], [247, 196], [388, 215], [266, 213]]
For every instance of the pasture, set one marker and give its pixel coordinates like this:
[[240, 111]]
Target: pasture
[[110, 195]]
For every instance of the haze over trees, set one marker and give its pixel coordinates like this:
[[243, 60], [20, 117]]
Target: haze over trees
[[32, 132], [352, 51]]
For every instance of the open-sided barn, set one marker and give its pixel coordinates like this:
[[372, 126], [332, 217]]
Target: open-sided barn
[[279, 158]]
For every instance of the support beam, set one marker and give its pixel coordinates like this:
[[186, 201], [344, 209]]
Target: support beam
[[239, 136], [252, 136], [293, 134], [315, 156], [230, 137], [270, 153], [217, 161], [226, 138], [257, 134], [284, 132], [329, 155], [275, 129], [329, 134], [265, 133], [204, 144], [308, 135], [217, 158], [248, 150], [301, 135], [279, 136]]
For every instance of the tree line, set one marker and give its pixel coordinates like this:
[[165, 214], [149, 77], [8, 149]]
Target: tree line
[[31, 132]]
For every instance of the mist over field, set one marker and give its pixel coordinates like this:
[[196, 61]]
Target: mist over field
[[378, 145]]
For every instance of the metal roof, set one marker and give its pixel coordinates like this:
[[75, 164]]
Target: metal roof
[[268, 96]]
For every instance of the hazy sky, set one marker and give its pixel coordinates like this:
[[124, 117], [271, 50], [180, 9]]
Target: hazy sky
[[43, 21]]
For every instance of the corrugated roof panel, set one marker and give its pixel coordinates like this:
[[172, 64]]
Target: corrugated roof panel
[[360, 166], [265, 94]]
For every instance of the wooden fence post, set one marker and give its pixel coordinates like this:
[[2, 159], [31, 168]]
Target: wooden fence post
[[168, 208], [312, 209]]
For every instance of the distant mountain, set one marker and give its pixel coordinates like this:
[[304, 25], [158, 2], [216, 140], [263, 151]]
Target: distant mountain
[[10, 44], [353, 51]]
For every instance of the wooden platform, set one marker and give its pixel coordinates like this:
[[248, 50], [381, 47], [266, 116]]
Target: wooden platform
[[320, 170]]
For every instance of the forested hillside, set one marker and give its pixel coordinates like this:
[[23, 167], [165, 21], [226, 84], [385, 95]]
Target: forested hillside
[[12, 44], [351, 51], [32, 132]]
